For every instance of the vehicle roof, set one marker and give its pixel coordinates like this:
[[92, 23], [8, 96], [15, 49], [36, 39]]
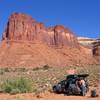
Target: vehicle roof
[[77, 76]]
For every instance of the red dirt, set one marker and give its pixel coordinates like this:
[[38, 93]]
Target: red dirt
[[27, 54], [44, 96]]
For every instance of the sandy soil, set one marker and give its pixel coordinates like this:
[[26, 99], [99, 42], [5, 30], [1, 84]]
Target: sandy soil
[[30, 54], [45, 96]]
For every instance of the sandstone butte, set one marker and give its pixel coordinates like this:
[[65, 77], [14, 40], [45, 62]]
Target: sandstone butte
[[28, 43]]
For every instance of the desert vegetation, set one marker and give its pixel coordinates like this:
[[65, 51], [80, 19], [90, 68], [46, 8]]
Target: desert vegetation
[[20, 85], [36, 80]]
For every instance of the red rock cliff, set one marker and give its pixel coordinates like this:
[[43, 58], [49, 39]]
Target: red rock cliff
[[23, 27], [96, 51]]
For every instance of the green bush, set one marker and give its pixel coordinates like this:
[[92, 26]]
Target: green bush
[[21, 85]]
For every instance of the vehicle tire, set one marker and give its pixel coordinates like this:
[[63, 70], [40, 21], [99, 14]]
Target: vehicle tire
[[57, 88], [70, 92], [54, 89]]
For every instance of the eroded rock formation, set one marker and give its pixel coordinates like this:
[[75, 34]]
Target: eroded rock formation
[[96, 48], [96, 51], [23, 27], [28, 43]]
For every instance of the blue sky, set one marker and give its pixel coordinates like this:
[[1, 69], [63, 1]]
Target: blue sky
[[80, 16]]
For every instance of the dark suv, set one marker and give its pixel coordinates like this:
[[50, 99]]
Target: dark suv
[[71, 85]]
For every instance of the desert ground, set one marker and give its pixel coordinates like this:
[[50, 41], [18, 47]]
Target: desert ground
[[45, 96], [44, 78], [34, 56]]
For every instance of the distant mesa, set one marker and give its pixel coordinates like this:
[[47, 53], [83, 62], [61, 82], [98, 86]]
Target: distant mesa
[[90, 42]]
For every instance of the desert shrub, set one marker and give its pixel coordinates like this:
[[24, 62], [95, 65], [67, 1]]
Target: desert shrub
[[1, 72], [21, 69], [97, 64], [21, 85], [7, 69], [36, 69], [46, 67]]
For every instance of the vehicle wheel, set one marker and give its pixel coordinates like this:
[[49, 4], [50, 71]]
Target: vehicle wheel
[[70, 92], [54, 89]]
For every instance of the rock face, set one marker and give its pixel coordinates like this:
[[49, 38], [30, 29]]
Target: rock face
[[96, 48], [23, 27], [28, 43], [96, 51]]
